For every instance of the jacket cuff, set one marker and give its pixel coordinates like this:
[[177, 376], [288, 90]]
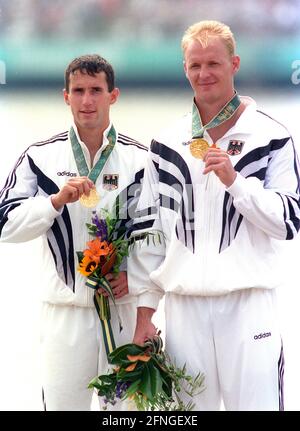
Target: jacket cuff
[[237, 188], [52, 211], [147, 299]]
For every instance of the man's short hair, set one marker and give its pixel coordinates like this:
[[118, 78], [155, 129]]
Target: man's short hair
[[203, 31], [90, 64]]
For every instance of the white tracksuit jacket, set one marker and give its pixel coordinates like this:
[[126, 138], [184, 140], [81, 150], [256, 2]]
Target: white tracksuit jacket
[[218, 240], [26, 211]]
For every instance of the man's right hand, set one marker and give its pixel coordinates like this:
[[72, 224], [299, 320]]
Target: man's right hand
[[145, 329], [71, 191]]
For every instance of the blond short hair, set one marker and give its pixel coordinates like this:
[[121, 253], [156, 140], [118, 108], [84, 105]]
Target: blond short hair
[[204, 30]]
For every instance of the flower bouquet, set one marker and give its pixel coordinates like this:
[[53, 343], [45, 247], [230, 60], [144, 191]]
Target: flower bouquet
[[146, 375], [106, 251], [104, 254]]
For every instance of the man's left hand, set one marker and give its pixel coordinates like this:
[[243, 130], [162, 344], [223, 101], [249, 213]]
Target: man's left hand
[[118, 284], [219, 162]]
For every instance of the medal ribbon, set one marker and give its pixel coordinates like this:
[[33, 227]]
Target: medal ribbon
[[81, 164], [223, 115]]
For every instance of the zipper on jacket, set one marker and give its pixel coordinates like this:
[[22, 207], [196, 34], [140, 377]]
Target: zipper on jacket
[[210, 205]]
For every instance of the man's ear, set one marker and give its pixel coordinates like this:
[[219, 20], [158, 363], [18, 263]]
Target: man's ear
[[236, 63], [114, 95], [66, 96], [185, 69]]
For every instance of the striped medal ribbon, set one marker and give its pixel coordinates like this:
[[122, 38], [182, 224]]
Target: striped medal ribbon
[[198, 145], [92, 200]]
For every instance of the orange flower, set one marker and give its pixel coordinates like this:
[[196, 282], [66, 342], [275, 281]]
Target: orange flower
[[134, 359], [143, 358], [131, 367], [97, 248], [87, 266]]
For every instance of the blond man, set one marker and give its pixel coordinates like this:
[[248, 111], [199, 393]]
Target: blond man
[[223, 185]]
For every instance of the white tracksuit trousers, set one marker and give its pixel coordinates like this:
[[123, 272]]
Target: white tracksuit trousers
[[73, 353], [235, 341]]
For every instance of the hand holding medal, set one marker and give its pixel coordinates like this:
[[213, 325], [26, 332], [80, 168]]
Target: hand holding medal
[[75, 189], [218, 161]]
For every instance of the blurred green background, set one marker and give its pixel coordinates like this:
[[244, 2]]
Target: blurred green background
[[141, 38]]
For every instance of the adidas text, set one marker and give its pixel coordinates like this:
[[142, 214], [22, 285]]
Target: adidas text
[[262, 335], [68, 174]]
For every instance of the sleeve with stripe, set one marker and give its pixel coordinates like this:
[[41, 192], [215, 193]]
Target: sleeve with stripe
[[23, 214], [267, 193], [146, 257]]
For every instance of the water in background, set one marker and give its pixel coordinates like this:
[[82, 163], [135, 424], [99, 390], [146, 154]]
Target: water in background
[[30, 117]]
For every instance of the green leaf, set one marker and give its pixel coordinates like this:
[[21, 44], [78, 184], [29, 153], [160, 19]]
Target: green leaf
[[146, 384], [108, 378], [100, 382], [133, 388], [129, 375], [151, 383], [91, 227], [94, 383], [79, 255], [155, 378], [167, 384], [121, 352]]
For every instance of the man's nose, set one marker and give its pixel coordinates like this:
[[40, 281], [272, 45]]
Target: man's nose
[[203, 72], [87, 98]]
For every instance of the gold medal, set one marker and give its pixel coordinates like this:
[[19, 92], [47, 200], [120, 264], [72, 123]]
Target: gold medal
[[90, 201], [198, 148]]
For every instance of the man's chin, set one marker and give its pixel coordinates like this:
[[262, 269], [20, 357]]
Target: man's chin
[[88, 125], [208, 97]]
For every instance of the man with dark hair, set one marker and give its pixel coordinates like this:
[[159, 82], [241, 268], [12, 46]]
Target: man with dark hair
[[91, 64], [51, 192]]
